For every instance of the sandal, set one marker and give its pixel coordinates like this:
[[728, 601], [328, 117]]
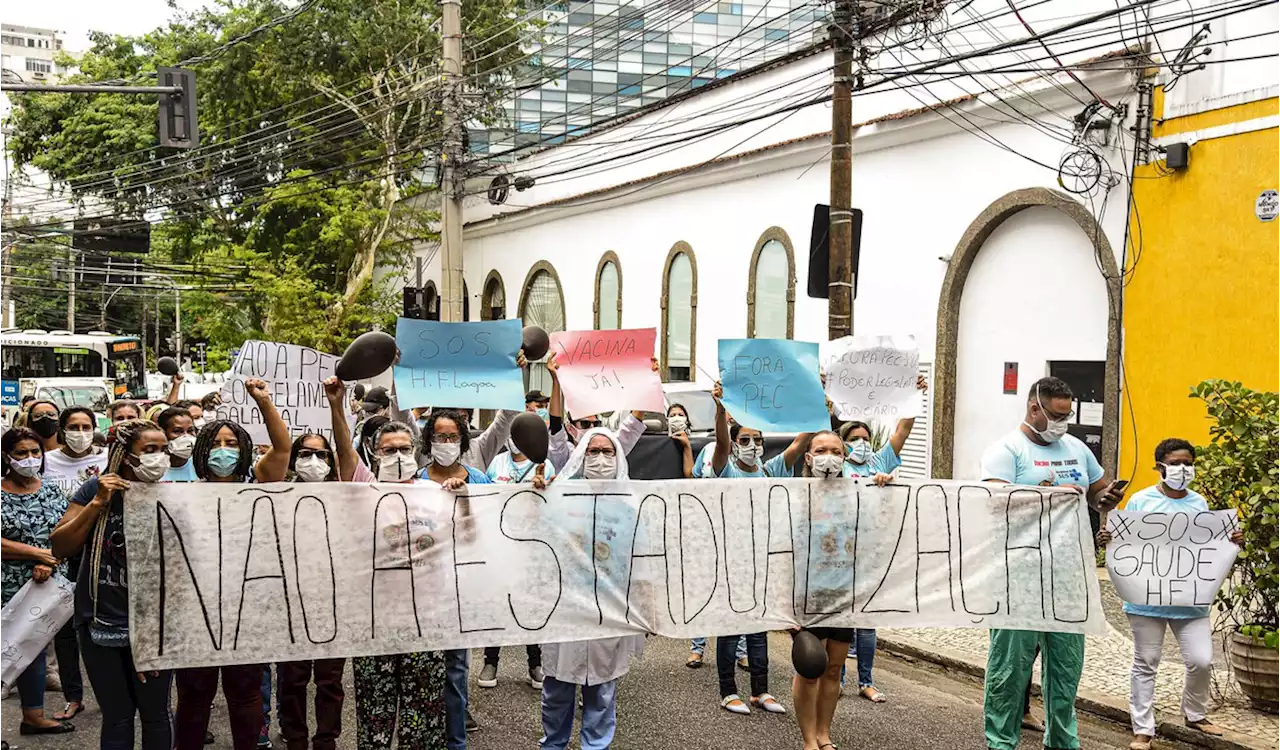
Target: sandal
[[768, 703], [734, 705], [67, 713], [1140, 742], [870, 693], [695, 660], [1206, 726], [1031, 722], [61, 727]]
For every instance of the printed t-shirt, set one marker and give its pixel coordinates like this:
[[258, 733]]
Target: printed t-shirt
[[69, 473], [1015, 459], [504, 470], [113, 579]]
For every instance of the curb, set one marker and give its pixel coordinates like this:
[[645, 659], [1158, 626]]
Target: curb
[[1105, 706]]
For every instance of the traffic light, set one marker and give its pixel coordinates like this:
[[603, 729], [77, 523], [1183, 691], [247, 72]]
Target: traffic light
[[178, 126], [413, 307]]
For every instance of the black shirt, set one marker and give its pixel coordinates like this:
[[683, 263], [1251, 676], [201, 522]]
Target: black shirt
[[113, 579]]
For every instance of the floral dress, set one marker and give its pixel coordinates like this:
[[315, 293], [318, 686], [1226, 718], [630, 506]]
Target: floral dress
[[29, 519]]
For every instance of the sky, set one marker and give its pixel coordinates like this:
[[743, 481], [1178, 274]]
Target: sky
[[76, 18]]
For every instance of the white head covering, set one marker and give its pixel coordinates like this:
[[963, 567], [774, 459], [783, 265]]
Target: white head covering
[[573, 467]]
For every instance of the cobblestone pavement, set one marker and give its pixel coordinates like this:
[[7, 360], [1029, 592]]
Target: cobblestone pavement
[[1106, 669]]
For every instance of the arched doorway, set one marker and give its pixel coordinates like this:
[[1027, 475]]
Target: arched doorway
[[1031, 241]]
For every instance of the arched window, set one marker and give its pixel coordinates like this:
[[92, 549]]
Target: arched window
[[542, 305], [771, 287], [431, 301], [608, 307], [679, 313], [493, 301]]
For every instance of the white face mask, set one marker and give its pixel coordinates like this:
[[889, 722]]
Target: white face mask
[[397, 468], [311, 469], [1054, 428], [600, 466], [512, 449], [151, 467], [445, 454], [198, 423], [26, 467], [1178, 477], [747, 454], [78, 442], [826, 465], [180, 447], [860, 451], [677, 424]]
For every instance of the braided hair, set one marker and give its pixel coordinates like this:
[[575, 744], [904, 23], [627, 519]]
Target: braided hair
[[333, 456], [204, 446]]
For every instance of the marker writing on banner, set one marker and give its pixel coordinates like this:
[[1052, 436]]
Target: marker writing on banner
[[473, 344], [1170, 559]]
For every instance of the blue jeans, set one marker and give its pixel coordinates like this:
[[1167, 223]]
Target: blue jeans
[[863, 649], [457, 668], [699, 646], [30, 683], [266, 701], [599, 714], [757, 658]]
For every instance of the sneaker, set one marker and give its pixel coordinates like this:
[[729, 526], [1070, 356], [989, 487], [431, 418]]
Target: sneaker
[[472, 724], [489, 676], [535, 677], [264, 743]]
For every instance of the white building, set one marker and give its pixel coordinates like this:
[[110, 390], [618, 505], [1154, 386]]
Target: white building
[[27, 53], [694, 217]]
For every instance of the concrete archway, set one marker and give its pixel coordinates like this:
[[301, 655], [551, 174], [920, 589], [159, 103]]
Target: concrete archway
[[944, 382]]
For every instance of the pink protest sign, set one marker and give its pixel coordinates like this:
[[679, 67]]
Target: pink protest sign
[[602, 371]]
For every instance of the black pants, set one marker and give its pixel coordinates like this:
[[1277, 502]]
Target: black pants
[[757, 661], [292, 690], [533, 652], [120, 695], [1026, 699], [68, 651]]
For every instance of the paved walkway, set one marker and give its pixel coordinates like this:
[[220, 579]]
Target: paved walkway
[[1106, 671]]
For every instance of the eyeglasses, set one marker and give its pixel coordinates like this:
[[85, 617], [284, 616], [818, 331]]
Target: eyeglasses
[[587, 424], [318, 453], [601, 452], [446, 438], [747, 440], [389, 451]]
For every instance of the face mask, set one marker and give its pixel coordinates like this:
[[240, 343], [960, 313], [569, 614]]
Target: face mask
[[1054, 428], [396, 468], [1178, 477], [600, 466], [747, 454], [78, 442], [312, 469], [860, 451], [46, 426], [827, 466], [181, 446], [445, 454], [546, 415], [26, 467], [222, 461], [677, 424], [152, 467], [198, 423]]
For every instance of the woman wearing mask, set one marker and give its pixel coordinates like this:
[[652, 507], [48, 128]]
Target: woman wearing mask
[[629, 432], [678, 427], [94, 526], [1176, 462], [69, 467], [42, 418], [224, 452], [595, 665], [747, 447], [32, 508], [816, 699], [122, 411], [181, 431]]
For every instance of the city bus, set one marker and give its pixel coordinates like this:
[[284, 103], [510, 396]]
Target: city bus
[[89, 369]]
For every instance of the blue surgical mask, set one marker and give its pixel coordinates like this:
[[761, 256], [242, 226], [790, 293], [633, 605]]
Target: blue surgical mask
[[859, 451], [546, 415], [222, 461]]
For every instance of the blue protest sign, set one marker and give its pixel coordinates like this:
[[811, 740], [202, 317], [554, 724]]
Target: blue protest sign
[[772, 385], [468, 365]]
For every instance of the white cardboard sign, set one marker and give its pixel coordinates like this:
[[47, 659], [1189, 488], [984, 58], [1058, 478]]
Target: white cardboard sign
[[295, 378], [1170, 559], [873, 378], [30, 620]]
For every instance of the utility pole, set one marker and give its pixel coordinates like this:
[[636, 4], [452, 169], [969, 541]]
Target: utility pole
[[177, 323], [844, 35], [71, 291], [451, 177]]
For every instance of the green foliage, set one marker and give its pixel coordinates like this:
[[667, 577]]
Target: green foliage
[[1238, 469]]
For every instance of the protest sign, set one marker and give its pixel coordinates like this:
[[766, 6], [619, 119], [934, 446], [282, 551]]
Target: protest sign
[[1170, 559], [873, 377], [604, 371], [295, 378], [30, 620], [772, 385], [466, 365], [228, 574]]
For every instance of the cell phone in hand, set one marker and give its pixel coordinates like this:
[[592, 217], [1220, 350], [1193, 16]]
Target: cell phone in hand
[[1120, 484]]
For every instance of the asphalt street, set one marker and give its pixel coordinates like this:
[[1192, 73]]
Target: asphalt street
[[663, 704]]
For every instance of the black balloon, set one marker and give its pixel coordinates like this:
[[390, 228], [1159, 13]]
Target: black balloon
[[535, 343], [529, 433], [167, 366], [808, 656], [369, 355]]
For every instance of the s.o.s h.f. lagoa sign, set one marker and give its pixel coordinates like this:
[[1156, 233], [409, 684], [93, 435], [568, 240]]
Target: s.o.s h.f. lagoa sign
[[228, 574]]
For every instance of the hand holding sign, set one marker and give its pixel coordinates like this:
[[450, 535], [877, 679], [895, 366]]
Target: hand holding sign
[[289, 376], [1170, 559], [873, 377], [773, 385], [603, 371]]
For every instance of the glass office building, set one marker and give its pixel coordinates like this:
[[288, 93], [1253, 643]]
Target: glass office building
[[605, 58]]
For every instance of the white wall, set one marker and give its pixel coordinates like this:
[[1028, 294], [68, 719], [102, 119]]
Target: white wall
[[1034, 294]]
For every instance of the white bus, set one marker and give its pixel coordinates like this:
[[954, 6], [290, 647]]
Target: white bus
[[89, 369]]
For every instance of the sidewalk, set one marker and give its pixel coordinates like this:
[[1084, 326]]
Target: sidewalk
[[1104, 686]]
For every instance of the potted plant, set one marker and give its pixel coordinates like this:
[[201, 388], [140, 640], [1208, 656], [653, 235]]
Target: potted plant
[[1238, 469]]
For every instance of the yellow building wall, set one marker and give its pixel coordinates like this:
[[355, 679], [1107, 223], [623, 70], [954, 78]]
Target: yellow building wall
[[1203, 297]]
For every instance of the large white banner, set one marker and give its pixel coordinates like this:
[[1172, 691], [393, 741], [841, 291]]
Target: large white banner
[[295, 378], [1170, 559], [30, 620], [226, 574]]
